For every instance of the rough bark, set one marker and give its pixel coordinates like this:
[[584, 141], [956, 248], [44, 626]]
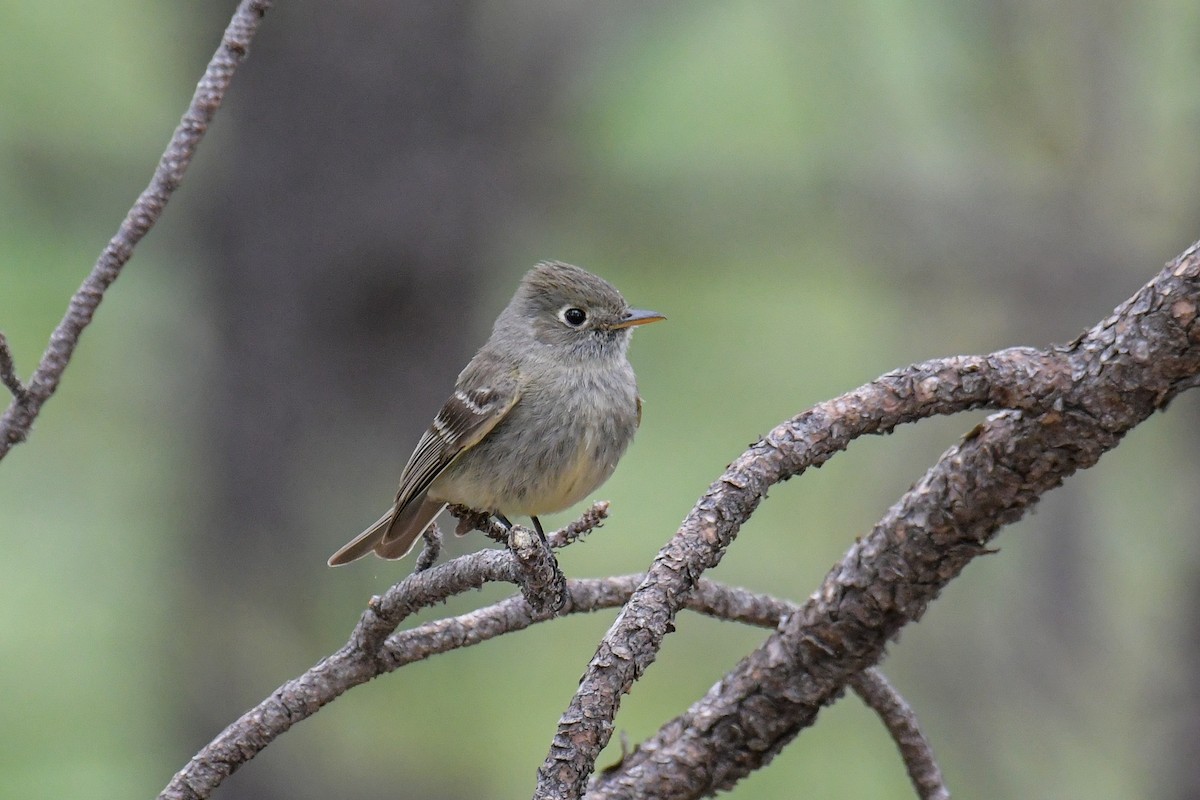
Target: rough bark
[[1075, 401]]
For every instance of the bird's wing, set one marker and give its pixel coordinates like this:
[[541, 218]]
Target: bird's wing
[[467, 416], [475, 408]]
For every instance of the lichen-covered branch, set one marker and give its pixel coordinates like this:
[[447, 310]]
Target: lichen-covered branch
[[1075, 404], [210, 92]]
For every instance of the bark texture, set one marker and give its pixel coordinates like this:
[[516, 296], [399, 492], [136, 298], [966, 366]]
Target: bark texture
[[1070, 405]]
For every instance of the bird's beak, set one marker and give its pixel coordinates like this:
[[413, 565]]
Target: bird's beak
[[637, 316]]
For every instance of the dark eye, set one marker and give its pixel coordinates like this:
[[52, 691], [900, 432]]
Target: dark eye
[[574, 317]]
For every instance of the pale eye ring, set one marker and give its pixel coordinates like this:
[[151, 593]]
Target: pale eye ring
[[573, 316]]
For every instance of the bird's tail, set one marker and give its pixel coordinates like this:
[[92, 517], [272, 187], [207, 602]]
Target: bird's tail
[[406, 528], [392, 535]]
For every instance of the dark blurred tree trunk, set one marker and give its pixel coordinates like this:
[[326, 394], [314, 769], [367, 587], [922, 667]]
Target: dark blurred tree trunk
[[377, 150]]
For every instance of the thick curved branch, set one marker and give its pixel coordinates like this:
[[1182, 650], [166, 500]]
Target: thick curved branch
[[210, 91], [1118, 373], [1020, 377], [711, 599]]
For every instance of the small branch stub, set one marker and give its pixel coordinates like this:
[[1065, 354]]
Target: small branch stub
[[542, 582], [8, 373], [431, 550]]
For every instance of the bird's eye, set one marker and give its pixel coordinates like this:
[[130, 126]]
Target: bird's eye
[[574, 316]]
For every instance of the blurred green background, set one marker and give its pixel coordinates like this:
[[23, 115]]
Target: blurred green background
[[813, 193]]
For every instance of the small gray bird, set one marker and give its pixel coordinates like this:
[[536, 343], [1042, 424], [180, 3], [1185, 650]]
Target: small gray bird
[[538, 419]]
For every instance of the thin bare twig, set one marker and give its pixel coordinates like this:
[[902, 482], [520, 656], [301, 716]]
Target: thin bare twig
[[584, 595], [590, 520], [8, 374], [901, 722], [471, 520], [430, 587], [210, 91]]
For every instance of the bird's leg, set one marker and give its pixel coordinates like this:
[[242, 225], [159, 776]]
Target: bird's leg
[[537, 526], [503, 520]]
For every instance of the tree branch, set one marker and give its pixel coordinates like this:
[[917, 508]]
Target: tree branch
[[711, 599], [432, 548], [358, 661], [942, 386], [210, 91], [901, 722], [542, 581], [372, 652], [8, 374], [584, 595], [1117, 374], [472, 520], [1077, 402]]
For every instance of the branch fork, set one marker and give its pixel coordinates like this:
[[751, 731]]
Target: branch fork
[[541, 580], [8, 374]]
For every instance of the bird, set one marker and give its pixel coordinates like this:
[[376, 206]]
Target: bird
[[537, 420]]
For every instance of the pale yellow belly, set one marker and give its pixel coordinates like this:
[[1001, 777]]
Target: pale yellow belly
[[542, 492], [562, 490]]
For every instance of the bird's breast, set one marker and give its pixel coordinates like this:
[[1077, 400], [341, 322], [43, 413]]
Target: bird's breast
[[557, 445]]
